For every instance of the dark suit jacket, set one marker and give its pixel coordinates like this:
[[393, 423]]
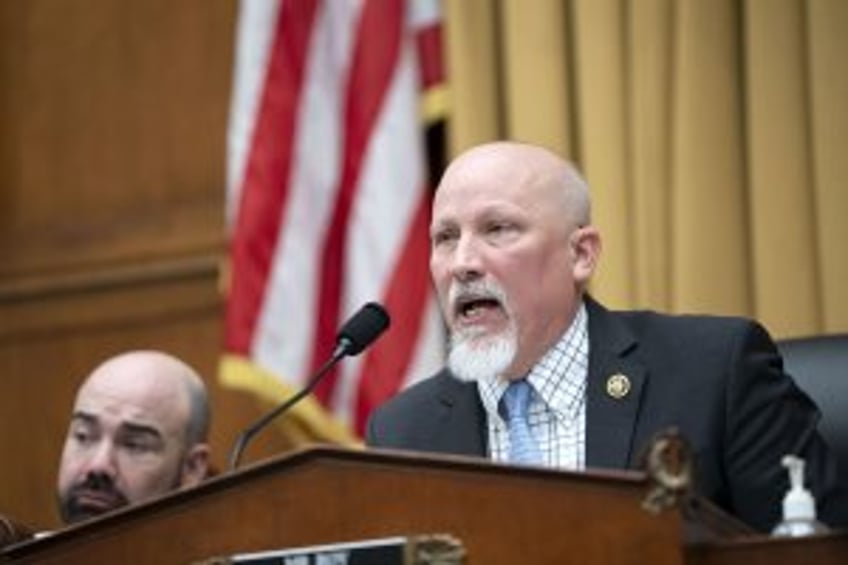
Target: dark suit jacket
[[718, 380]]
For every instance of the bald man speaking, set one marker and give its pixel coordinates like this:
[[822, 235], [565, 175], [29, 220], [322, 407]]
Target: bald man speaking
[[540, 373], [138, 430]]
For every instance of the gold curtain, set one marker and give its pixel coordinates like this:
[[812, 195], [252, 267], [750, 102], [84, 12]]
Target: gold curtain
[[709, 130]]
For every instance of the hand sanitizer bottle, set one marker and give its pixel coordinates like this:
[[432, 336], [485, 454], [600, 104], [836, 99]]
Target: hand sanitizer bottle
[[799, 508]]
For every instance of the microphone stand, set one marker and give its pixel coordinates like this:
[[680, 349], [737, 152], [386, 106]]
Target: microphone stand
[[235, 455]]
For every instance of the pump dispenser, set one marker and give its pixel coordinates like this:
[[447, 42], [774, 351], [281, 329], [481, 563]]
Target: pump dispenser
[[799, 507]]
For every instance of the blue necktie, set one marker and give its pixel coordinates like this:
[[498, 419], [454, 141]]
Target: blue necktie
[[522, 445]]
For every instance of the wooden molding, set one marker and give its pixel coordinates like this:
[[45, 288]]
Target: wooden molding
[[134, 293]]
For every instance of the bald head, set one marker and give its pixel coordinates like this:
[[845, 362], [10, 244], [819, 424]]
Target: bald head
[[527, 167], [161, 379], [138, 430]]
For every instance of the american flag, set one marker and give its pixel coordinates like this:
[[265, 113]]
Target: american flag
[[328, 200]]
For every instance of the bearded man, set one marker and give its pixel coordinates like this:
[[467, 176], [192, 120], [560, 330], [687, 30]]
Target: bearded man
[[138, 430], [540, 373]]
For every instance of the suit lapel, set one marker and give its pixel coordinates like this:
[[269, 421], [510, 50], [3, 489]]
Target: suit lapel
[[460, 426], [610, 415]]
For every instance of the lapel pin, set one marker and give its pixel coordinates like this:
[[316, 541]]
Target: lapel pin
[[618, 386]]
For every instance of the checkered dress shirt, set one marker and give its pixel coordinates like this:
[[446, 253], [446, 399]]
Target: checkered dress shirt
[[557, 412]]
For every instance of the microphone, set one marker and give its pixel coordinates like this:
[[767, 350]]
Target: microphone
[[360, 331]]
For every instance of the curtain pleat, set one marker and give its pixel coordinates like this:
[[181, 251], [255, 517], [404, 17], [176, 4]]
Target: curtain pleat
[[712, 132]]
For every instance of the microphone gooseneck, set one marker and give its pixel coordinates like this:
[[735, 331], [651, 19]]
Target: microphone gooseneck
[[360, 331]]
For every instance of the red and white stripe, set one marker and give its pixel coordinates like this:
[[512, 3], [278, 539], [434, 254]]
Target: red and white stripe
[[327, 198]]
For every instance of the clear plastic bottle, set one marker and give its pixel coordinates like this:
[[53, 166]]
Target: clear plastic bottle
[[799, 507]]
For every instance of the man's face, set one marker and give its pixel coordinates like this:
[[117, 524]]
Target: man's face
[[125, 444], [504, 261]]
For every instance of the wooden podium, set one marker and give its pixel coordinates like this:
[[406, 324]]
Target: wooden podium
[[501, 514]]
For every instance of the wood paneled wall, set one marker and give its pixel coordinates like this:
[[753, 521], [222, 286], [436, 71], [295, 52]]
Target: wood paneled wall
[[112, 153]]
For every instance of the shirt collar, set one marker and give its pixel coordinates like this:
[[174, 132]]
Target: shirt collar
[[558, 378]]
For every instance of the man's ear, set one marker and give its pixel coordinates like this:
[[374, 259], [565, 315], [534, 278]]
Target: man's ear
[[586, 249], [195, 465]]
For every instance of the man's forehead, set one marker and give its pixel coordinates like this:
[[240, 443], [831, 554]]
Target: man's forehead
[[109, 423], [494, 178], [131, 385], [474, 210], [114, 399], [487, 196]]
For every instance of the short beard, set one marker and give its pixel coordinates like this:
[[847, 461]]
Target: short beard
[[72, 511], [474, 358]]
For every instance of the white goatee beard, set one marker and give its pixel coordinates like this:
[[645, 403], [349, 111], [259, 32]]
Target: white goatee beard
[[477, 358]]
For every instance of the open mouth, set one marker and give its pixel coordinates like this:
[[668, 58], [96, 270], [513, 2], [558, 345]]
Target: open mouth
[[472, 308]]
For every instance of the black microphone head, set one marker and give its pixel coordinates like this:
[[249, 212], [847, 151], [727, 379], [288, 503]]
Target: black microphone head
[[363, 328]]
